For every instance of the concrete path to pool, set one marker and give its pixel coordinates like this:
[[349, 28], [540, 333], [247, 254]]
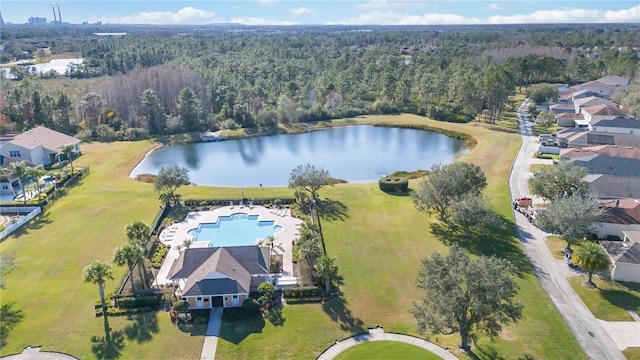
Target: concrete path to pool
[[210, 344], [378, 334]]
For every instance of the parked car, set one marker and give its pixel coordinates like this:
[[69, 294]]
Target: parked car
[[544, 137]]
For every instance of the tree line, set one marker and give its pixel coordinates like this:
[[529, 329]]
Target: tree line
[[155, 83]]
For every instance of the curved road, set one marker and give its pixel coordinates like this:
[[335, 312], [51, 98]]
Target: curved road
[[593, 338]]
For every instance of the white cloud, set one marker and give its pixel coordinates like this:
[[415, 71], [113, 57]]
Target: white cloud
[[493, 6], [188, 15], [259, 21], [564, 15], [301, 11], [386, 4], [628, 15], [392, 18]]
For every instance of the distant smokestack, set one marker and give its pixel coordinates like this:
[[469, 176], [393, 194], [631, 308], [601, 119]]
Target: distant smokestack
[[59, 16], [53, 7]]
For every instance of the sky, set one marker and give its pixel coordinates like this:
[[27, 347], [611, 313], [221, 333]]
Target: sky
[[321, 12]]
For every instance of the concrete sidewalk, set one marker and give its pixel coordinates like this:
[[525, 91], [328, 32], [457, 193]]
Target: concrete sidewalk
[[211, 338], [378, 334], [589, 332]]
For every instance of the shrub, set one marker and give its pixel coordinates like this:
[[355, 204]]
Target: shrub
[[302, 293], [137, 302], [181, 306], [136, 134], [158, 256], [111, 311], [250, 306], [394, 184]]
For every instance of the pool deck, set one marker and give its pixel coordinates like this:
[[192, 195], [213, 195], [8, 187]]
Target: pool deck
[[176, 234]]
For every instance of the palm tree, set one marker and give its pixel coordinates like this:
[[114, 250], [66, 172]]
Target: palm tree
[[140, 231], [97, 273], [591, 257], [326, 269], [129, 254], [17, 170], [36, 172], [309, 246], [68, 150]]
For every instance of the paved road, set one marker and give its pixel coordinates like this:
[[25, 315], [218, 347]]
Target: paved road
[[590, 333]]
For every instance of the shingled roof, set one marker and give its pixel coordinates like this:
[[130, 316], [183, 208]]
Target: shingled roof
[[220, 270], [602, 164], [40, 135]]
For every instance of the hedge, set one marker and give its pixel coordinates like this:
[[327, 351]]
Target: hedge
[[304, 292], [394, 184], [137, 302], [119, 312], [158, 256], [225, 202]]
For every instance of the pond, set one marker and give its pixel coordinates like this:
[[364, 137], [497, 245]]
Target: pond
[[58, 65], [357, 154]]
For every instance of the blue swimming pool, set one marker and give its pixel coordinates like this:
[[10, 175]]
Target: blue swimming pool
[[236, 230]]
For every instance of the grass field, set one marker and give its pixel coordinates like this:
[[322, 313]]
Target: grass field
[[386, 350], [610, 300], [378, 245]]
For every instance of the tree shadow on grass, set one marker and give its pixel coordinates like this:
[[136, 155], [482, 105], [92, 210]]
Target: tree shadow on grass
[[36, 223], [109, 347], [499, 241], [9, 318], [274, 315], [143, 327], [621, 299], [237, 325], [338, 312], [489, 352], [331, 210]]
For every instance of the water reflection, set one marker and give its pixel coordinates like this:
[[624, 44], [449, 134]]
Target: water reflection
[[353, 153]]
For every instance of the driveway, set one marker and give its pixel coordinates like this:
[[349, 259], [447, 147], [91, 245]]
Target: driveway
[[589, 332]]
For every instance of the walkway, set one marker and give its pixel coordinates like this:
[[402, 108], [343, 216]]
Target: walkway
[[588, 330], [378, 334], [211, 338], [34, 353]]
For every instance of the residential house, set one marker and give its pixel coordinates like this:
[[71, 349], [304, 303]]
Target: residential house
[[629, 152], [613, 186], [583, 94], [582, 137], [602, 164], [602, 111], [625, 257], [579, 104], [614, 80], [38, 146], [220, 276], [561, 108], [618, 124], [570, 119], [622, 215]]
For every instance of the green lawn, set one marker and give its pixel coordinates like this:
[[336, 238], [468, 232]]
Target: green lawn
[[632, 353], [378, 244], [386, 350], [610, 300], [539, 167]]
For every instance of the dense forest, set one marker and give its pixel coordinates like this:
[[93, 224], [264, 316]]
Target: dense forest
[[164, 80]]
